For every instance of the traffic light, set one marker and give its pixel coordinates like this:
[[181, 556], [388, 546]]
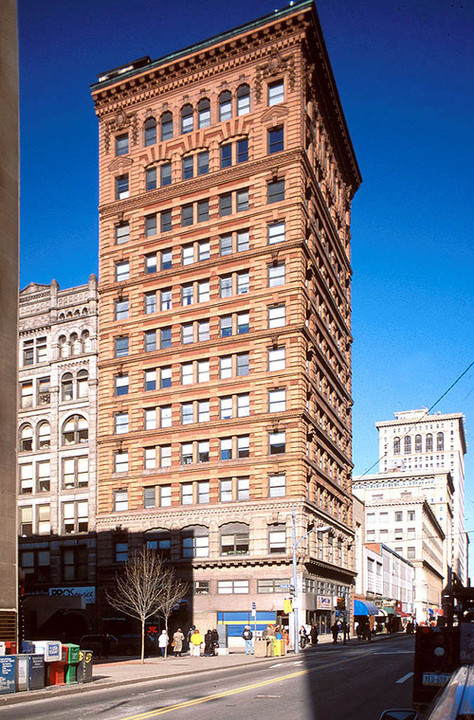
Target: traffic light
[[436, 657], [341, 603]]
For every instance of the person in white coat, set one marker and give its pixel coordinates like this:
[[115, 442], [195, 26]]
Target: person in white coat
[[163, 642]]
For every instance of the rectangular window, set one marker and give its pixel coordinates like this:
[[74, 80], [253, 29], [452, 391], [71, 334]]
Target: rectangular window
[[275, 140], [276, 316], [41, 350], [225, 286], [242, 200], [243, 405], [165, 174], [203, 374], [121, 548], [232, 587], [121, 309], [277, 400], [276, 275], [276, 359], [121, 144], [204, 250], [166, 259], [149, 458], [166, 301], [149, 497], [203, 330], [165, 337], [276, 443], [203, 411], [187, 375], [275, 191], [121, 385], [120, 500], [277, 541], [226, 155], [150, 418], [150, 380], [188, 167], [203, 210], [225, 449], [187, 333], [28, 353], [165, 221], [243, 240], [120, 346], [150, 340], [226, 326], [187, 217], [150, 302], [225, 367], [226, 244], [150, 179], [122, 233], [187, 254], [243, 364], [165, 456], [204, 294], [243, 283], [187, 294], [225, 491], [165, 416], [203, 163], [243, 447], [225, 408], [121, 187], [121, 423], [243, 489], [122, 271], [276, 92], [225, 204], [242, 150], [243, 323], [187, 413], [120, 464], [203, 492], [276, 485], [150, 225], [165, 495], [187, 494], [26, 479], [186, 453], [203, 451]]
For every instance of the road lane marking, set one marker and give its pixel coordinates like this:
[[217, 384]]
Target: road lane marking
[[227, 693], [404, 678]]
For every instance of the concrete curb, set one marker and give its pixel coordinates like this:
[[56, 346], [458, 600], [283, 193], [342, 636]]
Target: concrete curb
[[55, 691]]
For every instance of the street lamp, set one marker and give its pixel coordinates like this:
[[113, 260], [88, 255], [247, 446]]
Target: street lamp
[[321, 529]]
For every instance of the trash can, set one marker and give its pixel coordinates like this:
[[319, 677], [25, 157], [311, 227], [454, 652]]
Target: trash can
[[260, 647], [72, 660], [84, 667], [7, 674], [36, 671], [22, 672]]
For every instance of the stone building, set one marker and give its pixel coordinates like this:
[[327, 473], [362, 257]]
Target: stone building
[[57, 449], [226, 178], [416, 441], [9, 203]]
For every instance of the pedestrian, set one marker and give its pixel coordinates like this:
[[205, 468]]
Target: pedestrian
[[163, 642], [335, 632], [248, 637], [314, 635], [215, 639], [303, 637], [195, 643], [208, 644], [177, 643], [344, 631]]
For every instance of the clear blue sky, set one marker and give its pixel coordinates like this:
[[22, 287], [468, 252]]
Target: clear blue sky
[[404, 73]]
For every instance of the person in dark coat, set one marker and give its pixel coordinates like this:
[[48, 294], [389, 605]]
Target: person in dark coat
[[314, 635], [215, 639], [335, 632], [208, 644]]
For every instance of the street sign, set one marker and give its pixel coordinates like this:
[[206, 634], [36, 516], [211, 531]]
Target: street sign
[[254, 606], [285, 586]]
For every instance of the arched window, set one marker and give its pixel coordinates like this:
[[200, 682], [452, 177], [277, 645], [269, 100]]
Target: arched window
[[195, 541], [75, 430], [150, 131], [166, 125], [62, 346], [204, 113], [225, 105], [396, 446], [187, 119], [75, 344], [440, 441], [243, 100], [429, 443], [234, 539], [66, 387], [86, 341], [407, 445], [26, 438], [44, 436], [418, 444], [82, 383]]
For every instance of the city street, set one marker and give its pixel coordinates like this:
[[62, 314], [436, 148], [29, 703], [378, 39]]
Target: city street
[[355, 682]]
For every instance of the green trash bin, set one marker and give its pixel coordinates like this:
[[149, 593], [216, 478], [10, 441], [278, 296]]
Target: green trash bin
[[72, 661]]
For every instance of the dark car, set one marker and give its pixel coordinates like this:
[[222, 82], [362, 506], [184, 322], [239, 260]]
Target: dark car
[[131, 644], [101, 645]]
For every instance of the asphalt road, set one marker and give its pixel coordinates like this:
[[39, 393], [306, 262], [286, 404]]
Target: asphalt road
[[354, 683]]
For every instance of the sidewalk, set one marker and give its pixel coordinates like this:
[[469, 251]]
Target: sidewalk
[[115, 673]]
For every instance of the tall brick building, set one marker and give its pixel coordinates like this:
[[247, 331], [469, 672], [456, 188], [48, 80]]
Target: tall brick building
[[226, 178]]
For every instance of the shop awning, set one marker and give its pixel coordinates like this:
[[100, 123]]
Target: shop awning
[[390, 610], [365, 607]]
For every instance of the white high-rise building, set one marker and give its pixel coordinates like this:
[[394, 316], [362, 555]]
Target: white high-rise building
[[416, 441]]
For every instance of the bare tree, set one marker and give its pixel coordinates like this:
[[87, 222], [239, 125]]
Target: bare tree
[[146, 587]]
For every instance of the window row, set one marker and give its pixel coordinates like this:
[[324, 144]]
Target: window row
[[36, 519], [201, 116], [418, 443], [74, 430], [36, 477], [73, 566], [197, 331]]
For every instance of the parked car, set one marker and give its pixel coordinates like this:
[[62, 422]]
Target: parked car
[[101, 645]]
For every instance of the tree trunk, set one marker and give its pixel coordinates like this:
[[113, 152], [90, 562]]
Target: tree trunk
[[143, 641], [166, 628]]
